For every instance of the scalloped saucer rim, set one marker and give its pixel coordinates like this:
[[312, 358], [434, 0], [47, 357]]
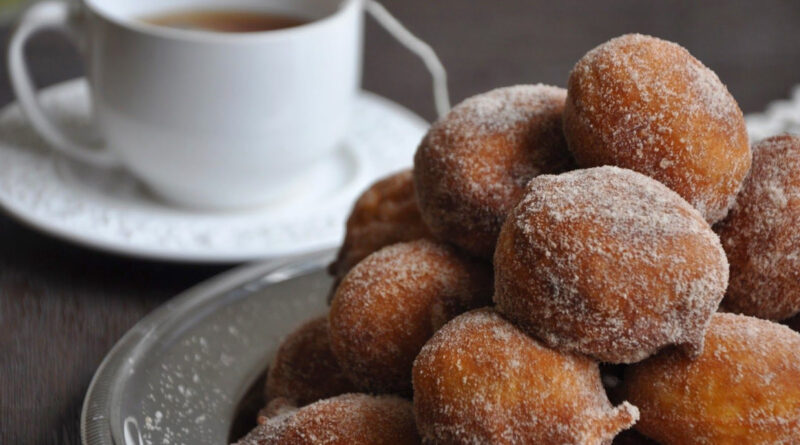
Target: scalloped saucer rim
[[110, 211]]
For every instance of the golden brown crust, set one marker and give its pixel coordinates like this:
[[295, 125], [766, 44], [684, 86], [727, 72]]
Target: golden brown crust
[[609, 263], [743, 389], [390, 304], [481, 380], [386, 213], [761, 236], [304, 369], [646, 104], [473, 164], [350, 419]]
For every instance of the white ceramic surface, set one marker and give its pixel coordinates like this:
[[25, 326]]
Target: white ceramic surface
[[208, 120], [109, 210], [779, 117]]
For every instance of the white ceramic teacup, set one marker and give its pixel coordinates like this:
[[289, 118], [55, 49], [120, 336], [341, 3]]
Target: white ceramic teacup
[[205, 119]]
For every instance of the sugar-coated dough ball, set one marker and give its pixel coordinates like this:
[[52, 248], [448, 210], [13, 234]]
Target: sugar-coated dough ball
[[473, 164], [304, 369], [391, 303], [609, 263], [386, 213], [762, 234], [743, 389], [350, 419], [646, 104], [480, 380]]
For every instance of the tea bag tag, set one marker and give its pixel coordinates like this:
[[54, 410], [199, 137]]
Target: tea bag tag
[[441, 96]]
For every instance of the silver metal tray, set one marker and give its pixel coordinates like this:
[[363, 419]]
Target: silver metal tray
[[177, 376]]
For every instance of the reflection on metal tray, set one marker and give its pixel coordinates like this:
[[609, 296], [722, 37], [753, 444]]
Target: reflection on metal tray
[[176, 376]]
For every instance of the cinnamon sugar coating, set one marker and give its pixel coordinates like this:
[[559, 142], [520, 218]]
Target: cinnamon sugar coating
[[480, 380], [761, 236], [391, 303], [350, 419], [646, 104], [304, 369], [609, 263], [386, 213], [473, 164], [743, 389]]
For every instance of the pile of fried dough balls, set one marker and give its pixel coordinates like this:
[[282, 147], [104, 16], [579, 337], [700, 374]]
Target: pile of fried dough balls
[[555, 250]]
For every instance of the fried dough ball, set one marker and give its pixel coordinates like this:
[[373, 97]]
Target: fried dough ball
[[609, 263], [761, 234], [304, 369], [473, 164], [743, 389], [350, 419], [391, 303], [482, 380], [646, 104], [386, 213]]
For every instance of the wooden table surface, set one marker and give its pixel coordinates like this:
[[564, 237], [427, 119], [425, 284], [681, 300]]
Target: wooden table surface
[[62, 307]]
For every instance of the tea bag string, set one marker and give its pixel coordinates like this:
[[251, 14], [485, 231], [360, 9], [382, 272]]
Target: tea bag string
[[424, 51]]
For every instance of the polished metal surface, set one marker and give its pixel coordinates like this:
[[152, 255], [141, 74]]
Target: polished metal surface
[[176, 377]]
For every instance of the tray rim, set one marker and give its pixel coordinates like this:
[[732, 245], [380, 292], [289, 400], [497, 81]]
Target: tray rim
[[95, 426]]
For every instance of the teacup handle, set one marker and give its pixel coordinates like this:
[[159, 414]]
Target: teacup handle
[[54, 15], [414, 44]]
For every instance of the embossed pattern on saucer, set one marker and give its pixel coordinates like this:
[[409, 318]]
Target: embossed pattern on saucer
[[779, 117], [109, 210]]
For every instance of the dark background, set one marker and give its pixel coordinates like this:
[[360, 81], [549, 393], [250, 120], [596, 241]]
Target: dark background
[[63, 307]]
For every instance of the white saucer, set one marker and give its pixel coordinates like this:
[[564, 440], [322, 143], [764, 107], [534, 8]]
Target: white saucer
[[109, 210], [781, 116]]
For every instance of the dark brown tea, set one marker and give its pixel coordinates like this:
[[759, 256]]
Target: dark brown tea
[[224, 20]]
